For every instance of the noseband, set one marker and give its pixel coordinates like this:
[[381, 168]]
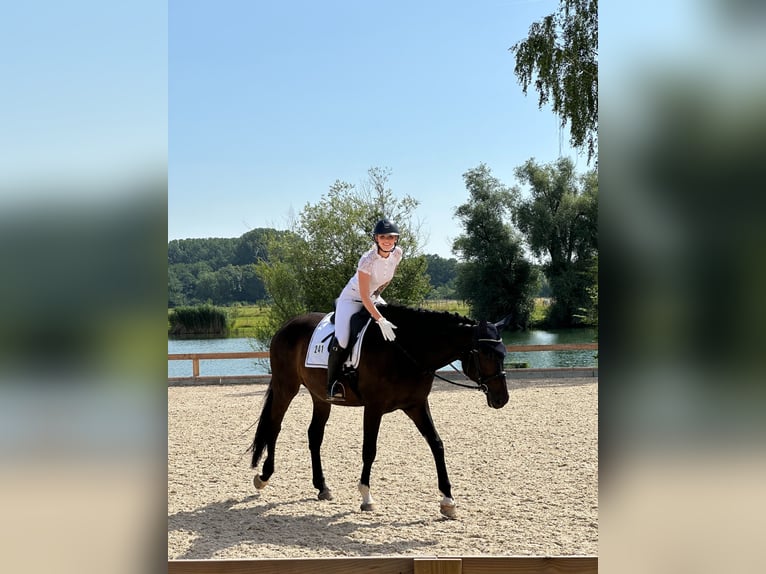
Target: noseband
[[482, 382]]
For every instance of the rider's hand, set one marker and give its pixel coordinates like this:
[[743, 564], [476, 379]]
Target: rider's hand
[[387, 328]]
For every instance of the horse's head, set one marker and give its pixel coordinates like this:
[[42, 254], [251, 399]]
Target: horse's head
[[483, 364]]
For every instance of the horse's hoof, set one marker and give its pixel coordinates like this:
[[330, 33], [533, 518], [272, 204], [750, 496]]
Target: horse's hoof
[[258, 483], [325, 494], [368, 507], [448, 510]]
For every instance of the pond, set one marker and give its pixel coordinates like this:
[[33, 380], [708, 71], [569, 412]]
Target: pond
[[224, 367], [233, 367], [552, 359]]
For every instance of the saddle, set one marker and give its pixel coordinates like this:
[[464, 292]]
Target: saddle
[[319, 346]]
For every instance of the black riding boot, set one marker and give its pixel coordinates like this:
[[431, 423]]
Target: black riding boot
[[335, 390]]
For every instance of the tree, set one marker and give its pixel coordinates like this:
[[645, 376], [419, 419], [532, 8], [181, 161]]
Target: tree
[[561, 55], [183, 279], [253, 246], [560, 223], [440, 270], [309, 266], [217, 252], [285, 290], [442, 274], [219, 270], [495, 278], [176, 295], [589, 315]]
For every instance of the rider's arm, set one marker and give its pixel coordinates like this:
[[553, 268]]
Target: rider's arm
[[364, 291]]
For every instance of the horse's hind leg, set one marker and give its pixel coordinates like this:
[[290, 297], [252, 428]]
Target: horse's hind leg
[[316, 436], [278, 398]]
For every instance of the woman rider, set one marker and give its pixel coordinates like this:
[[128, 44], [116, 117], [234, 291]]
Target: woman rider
[[374, 272]]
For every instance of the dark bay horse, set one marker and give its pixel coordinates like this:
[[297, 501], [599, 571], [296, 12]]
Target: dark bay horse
[[391, 376]]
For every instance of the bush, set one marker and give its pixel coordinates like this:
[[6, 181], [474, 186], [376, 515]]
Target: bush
[[205, 320]]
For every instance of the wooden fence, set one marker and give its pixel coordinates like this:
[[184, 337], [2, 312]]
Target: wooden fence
[[393, 565], [195, 358]]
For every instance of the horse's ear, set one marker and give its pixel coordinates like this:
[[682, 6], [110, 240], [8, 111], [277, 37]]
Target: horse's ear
[[503, 323]]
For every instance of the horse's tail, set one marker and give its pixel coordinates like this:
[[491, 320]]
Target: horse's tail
[[264, 430]]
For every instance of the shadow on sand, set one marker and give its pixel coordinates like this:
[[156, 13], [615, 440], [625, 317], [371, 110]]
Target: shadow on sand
[[221, 525]]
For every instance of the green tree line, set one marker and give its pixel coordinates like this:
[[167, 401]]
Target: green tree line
[[223, 271], [220, 271]]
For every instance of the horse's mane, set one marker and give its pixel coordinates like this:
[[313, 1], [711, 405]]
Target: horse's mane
[[409, 316]]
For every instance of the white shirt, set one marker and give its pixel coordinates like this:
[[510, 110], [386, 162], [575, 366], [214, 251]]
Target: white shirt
[[380, 269]]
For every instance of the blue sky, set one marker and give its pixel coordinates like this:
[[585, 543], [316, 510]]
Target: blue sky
[[270, 103]]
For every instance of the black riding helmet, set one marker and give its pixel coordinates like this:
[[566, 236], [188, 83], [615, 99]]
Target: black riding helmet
[[385, 227]]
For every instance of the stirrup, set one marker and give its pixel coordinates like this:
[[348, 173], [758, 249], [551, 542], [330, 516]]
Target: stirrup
[[337, 393]]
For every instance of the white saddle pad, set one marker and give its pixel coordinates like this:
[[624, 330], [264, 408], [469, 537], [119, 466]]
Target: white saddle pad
[[319, 346]]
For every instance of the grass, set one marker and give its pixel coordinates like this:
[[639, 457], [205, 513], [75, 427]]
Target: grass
[[246, 319], [448, 305], [461, 308], [539, 312]]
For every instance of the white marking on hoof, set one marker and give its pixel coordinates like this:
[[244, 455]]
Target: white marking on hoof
[[258, 483], [325, 494], [368, 504], [448, 507]]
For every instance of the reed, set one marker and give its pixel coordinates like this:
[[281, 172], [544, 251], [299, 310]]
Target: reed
[[202, 320]]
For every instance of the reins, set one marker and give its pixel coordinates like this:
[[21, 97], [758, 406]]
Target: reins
[[480, 386]]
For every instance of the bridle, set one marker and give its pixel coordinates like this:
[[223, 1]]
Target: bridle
[[482, 382]]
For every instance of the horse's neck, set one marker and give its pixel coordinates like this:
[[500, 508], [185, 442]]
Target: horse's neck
[[438, 349]]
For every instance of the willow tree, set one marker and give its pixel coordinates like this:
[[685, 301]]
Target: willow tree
[[560, 56], [494, 278], [559, 219]]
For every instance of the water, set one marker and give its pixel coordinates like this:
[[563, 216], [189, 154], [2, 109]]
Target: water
[[225, 367], [233, 367], [553, 359]]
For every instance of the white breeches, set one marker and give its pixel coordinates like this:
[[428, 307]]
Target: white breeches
[[344, 309]]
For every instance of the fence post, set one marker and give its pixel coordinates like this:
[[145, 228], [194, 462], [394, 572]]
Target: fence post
[[437, 566]]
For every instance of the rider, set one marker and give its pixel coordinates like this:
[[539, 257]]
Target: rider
[[374, 272]]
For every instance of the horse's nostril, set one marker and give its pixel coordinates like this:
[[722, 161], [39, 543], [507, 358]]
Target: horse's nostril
[[497, 403]]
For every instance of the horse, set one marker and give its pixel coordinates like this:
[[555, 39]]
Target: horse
[[396, 375]]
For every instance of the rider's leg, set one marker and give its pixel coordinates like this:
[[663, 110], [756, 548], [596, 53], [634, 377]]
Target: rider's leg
[[335, 362], [344, 309]]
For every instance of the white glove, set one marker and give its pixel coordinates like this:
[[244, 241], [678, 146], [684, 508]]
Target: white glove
[[379, 300], [387, 328]]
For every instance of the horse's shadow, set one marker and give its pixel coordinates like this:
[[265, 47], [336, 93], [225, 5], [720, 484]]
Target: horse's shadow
[[221, 525]]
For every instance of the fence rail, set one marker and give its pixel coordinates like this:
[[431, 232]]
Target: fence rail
[[195, 358]]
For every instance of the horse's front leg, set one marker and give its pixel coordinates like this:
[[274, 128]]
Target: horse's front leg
[[316, 436], [372, 420], [421, 416]]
